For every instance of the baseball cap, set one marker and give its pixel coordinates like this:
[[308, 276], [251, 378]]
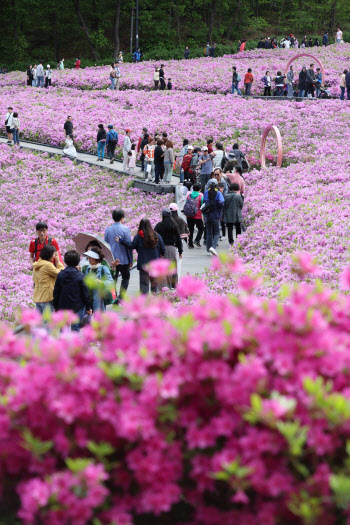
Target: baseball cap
[[189, 147], [48, 65], [204, 148], [166, 212], [110, 126], [173, 206], [92, 254], [213, 181], [128, 130]]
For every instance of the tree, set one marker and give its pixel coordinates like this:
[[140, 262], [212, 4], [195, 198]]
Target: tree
[[85, 29]]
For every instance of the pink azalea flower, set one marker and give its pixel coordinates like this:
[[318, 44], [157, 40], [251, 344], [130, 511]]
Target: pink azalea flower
[[189, 286], [160, 268]]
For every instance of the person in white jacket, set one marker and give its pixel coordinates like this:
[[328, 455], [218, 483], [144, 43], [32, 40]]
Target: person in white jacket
[[9, 124], [70, 150], [126, 149], [48, 76]]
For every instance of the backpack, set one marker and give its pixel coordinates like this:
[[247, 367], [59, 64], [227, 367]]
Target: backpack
[[190, 208], [224, 161], [114, 139], [239, 78], [36, 245], [186, 163]]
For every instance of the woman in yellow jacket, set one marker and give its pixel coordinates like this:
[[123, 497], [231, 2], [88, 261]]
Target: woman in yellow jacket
[[45, 272]]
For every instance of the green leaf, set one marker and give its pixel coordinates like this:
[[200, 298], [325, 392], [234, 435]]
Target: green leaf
[[100, 450], [77, 464], [34, 445]]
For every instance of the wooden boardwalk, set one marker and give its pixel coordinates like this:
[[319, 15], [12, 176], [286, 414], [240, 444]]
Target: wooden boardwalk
[[194, 261]]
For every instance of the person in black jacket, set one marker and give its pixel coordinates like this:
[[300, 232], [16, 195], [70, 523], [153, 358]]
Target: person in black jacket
[[169, 231], [70, 291], [261, 44], [149, 246], [187, 53], [302, 82], [158, 160], [101, 142], [310, 81]]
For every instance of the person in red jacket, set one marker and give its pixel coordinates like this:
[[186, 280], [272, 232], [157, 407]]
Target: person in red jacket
[[248, 81], [38, 243], [77, 63]]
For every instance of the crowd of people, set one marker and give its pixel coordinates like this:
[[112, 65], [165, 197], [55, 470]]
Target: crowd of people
[[291, 41], [309, 82], [211, 204]]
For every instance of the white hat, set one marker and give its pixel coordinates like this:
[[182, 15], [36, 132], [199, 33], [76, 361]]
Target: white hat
[[212, 181], [189, 147], [48, 65], [92, 254], [204, 148]]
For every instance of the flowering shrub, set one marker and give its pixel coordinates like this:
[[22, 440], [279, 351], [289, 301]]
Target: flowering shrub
[[303, 125], [204, 75], [70, 198], [237, 413]]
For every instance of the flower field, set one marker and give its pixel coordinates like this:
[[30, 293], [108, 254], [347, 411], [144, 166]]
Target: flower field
[[70, 198], [201, 74], [217, 422], [228, 408], [309, 128]]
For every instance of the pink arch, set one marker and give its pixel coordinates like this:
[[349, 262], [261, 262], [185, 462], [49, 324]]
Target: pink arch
[[276, 131], [305, 55]]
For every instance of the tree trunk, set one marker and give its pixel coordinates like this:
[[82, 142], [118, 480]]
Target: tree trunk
[[95, 21], [211, 20], [279, 18], [14, 18], [333, 12], [178, 21], [116, 28], [234, 20], [85, 30]]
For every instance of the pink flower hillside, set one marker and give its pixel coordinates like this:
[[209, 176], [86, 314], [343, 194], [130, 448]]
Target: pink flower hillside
[[225, 411], [71, 198]]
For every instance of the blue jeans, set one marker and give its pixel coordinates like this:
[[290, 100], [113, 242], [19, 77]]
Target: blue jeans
[[168, 171], [39, 81], [80, 314], [15, 136], [40, 307], [157, 171], [235, 87], [301, 93], [213, 232], [101, 149], [279, 91], [248, 87], [318, 91], [342, 93], [34, 83], [113, 80]]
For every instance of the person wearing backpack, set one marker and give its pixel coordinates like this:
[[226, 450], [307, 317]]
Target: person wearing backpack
[[111, 142], [186, 164], [236, 78], [192, 210], [112, 76], [212, 208], [38, 243]]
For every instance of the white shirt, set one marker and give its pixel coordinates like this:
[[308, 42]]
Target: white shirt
[[48, 73], [339, 35], [287, 44], [9, 116], [218, 158], [126, 145], [61, 64]]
